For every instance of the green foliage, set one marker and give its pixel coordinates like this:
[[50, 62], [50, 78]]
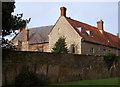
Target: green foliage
[[28, 78], [60, 46], [109, 58], [11, 22]]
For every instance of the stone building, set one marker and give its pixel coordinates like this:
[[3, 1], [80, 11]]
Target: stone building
[[81, 38]]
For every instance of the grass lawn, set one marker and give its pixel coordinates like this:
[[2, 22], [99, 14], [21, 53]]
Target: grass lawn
[[108, 81]]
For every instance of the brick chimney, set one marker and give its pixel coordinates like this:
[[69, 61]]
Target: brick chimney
[[63, 11], [19, 30], [26, 34], [100, 26]]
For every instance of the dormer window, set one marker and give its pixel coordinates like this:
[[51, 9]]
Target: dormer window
[[81, 30], [89, 33]]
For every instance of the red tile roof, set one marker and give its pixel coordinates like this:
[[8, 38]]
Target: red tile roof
[[104, 38]]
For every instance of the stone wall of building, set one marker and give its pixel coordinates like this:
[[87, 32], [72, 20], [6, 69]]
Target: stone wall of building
[[94, 49], [16, 43], [43, 47], [63, 28], [58, 67], [80, 47], [25, 46]]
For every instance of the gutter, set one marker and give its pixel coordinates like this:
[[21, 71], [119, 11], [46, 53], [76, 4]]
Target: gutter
[[83, 40]]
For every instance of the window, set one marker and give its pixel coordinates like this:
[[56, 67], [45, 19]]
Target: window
[[89, 33], [92, 50], [73, 48], [58, 30], [81, 30], [104, 50]]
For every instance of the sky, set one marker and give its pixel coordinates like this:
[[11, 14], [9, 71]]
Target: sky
[[47, 13]]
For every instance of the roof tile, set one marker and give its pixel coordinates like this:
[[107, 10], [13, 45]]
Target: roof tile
[[36, 35], [104, 38]]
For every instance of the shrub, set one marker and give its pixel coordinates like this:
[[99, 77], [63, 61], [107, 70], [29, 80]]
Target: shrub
[[109, 58], [27, 78], [60, 46]]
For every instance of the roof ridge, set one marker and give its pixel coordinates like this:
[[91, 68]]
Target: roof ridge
[[81, 22], [41, 26], [111, 34], [91, 26]]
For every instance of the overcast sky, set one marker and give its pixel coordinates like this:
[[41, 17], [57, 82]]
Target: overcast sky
[[47, 13]]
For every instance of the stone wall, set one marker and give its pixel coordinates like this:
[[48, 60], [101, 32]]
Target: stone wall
[[25, 46], [43, 47], [63, 28], [58, 67], [98, 49]]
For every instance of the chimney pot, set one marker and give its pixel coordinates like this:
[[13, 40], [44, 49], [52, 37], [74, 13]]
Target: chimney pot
[[118, 34], [100, 26], [63, 11]]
